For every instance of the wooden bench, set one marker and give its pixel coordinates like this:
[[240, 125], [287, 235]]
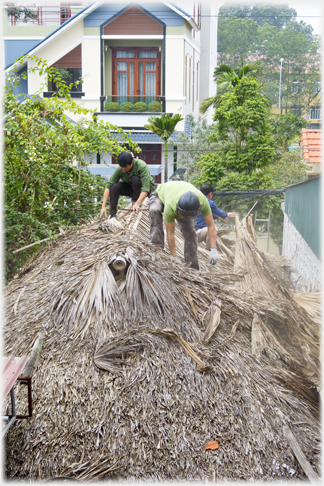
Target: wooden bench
[[11, 373]]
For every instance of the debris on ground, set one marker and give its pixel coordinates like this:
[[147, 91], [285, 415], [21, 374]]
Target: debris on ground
[[146, 361]]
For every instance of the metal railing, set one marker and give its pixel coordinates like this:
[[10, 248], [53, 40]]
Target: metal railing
[[45, 15], [134, 103]]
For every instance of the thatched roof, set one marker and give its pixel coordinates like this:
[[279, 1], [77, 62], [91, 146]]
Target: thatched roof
[[140, 370]]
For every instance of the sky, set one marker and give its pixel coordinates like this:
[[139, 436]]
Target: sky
[[309, 11]]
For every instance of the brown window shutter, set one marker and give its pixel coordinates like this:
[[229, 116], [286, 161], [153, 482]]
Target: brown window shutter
[[72, 59]]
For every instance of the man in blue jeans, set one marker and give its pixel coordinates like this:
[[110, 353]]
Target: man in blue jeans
[[201, 227]]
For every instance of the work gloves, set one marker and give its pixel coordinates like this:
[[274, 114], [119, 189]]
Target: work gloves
[[213, 256], [177, 259]]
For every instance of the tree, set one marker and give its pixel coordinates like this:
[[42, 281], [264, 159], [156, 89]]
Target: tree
[[192, 148], [227, 78], [164, 126], [46, 184], [273, 15], [243, 128], [269, 33], [286, 127]]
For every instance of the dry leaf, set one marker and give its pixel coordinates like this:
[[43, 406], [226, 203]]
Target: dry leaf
[[212, 445]]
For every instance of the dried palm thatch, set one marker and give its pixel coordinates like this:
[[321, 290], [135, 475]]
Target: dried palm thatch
[[142, 366]]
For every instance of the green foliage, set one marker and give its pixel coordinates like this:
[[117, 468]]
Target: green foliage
[[273, 15], [140, 106], [243, 128], [269, 33], [289, 169], [286, 127], [227, 78], [155, 106], [112, 106], [127, 106], [194, 146], [23, 13], [163, 125], [46, 184], [211, 168]]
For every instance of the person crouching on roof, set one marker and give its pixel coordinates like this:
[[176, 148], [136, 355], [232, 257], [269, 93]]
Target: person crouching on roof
[[136, 182], [183, 202]]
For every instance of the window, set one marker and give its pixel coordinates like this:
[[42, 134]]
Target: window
[[294, 87], [315, 113], [69, 75], [136, 74], [70, 69]]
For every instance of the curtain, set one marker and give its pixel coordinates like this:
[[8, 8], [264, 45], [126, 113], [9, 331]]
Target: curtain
[[147, 54]]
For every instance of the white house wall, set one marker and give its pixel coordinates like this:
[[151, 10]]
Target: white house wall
[[91, 63], [53, 51], [306, 267]]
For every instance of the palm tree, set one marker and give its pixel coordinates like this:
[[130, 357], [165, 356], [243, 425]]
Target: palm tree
[[164, 126], [227, 78]]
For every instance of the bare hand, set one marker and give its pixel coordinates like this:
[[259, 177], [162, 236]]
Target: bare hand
[[231, 215], [136, 207], [103, 212]]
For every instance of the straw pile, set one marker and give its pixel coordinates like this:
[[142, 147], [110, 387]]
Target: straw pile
[[142, 366]]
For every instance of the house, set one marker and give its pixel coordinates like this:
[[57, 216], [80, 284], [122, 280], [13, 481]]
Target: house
[[301, 243], [136, 60], [311, 151]]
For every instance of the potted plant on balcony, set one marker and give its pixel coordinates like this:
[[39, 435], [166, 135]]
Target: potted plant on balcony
[[23, 13], [140, 106], [127, 106], [112, 106], [155, 106]]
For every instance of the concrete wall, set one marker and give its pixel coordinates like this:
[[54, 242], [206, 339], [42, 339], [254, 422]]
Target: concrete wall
[[305, 266]]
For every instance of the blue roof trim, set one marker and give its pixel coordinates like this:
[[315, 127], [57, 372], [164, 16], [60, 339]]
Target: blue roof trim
[[147, 136], [54, 31], [181, 10]]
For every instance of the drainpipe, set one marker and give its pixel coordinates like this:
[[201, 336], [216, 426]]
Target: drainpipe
[[102, 98], [163, 69]]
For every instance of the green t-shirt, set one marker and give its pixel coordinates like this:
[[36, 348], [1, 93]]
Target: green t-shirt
[[139, 169], [170, 193]]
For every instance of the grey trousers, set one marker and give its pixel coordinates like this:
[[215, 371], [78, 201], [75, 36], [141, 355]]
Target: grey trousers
[[186, 225], [202, 235]]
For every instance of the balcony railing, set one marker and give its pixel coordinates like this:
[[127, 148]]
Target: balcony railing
[[46, 15], [132, 103]]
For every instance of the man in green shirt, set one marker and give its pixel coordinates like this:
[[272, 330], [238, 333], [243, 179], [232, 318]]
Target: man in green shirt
[[136, 182], [183, 202]]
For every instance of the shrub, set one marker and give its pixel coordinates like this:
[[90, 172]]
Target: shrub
[[112, 106], [127, 106], [140, 106], [155, 106]]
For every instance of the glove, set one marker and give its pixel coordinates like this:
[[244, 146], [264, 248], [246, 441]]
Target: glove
[[177, 259], [213, 256]]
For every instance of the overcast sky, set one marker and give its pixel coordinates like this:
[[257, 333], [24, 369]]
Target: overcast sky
[[308, 10]]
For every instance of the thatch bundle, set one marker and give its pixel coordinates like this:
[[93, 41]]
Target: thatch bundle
[[146, 360]]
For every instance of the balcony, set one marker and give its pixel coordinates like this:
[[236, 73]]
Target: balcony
[[45, 15], [133, 104]]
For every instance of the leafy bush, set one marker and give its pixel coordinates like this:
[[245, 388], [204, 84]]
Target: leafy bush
[[140, 106], [155, 106], [43, 188], [127, 106], [112, 106]]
